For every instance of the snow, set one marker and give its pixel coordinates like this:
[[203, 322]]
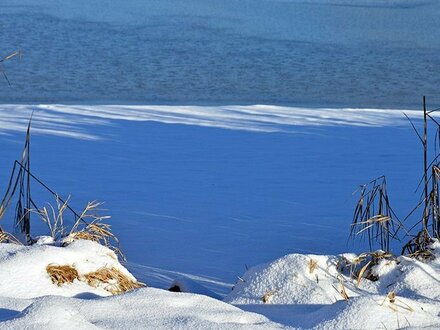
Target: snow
[[303, 298], [285, 293], [71, 120], [28, 266], [29, 299], [184, 167], [143, 309]]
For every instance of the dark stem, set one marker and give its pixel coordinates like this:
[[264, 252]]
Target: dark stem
[[425, 163]]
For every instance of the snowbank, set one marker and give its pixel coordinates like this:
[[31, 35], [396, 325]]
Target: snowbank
[[23, 268], [141, 309], [311, 289], [29, 299], [301, 291]]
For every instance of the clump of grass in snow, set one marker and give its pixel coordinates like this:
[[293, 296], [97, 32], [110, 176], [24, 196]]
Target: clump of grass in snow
[[111, 280], [419, 247], [373, 215], [88, 225], [62, 274], [363, 266], [54, 219]]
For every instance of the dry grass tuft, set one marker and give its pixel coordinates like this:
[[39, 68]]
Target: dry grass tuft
[[313, 264], [111, 280], [363, 265], [373, 216], [54, 217], [94, 229], [62, 274], [6, 237], [395, 304], [341, 290]]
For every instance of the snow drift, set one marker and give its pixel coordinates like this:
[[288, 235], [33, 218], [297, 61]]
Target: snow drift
[[29, 298], [405, 294]]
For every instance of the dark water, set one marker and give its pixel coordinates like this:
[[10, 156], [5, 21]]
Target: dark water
[[182, 60]]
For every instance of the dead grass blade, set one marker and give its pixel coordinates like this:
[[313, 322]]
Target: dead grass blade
[[341, 289], [361, 273], [6, 237], [313, 264], [395, 303]]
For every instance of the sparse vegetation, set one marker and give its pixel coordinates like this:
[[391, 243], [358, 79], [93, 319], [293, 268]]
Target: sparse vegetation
[[110, 279], [62, 274], [374, 218]]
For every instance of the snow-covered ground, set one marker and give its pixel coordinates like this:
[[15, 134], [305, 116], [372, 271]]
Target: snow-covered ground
[[209, 191], [294, 292], [29, 299], [404, 296]]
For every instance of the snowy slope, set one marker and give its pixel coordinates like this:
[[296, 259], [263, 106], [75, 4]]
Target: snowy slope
[[285, 293], [144, 309]]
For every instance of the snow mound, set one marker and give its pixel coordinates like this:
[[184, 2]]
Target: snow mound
[[146, 308], [315, 279], [318, 293], [23, 269], [30, 299], [374, 312], [289, 280], [183, 284]]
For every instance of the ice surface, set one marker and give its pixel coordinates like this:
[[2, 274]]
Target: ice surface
[[323, 53]]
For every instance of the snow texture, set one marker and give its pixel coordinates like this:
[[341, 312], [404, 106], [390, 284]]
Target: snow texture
[[77, 121], [23, 268], [29, 299], [287, 291]]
